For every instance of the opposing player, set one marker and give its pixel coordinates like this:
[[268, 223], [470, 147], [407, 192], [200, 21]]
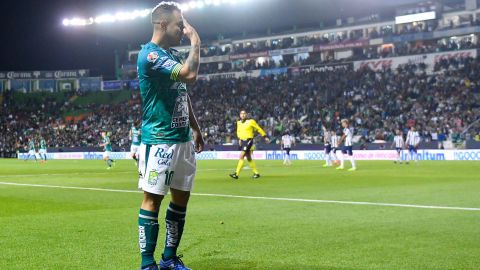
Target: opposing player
[[286, 145], [107, 150], [135, 135], [399, 145], [413, 140], [167, 154], [347, 138], [246, 129], [335, 145], [31, 149], [327, 140], [43, 150]]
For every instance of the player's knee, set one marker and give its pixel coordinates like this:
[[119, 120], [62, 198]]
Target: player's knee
[[151, 202], [180, 197]]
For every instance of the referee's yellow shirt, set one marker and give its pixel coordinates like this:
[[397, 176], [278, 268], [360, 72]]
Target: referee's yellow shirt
[[247, 128]]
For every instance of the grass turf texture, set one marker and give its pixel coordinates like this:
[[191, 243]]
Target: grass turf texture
[[50, 228]]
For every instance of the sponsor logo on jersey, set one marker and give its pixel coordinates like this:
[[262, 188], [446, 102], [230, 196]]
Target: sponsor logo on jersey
[[180, 117], [168, 64]]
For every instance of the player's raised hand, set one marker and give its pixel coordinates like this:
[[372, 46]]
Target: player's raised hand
[[190, 32]]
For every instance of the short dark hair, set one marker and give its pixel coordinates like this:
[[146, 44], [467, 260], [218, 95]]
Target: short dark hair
[[164, 9]]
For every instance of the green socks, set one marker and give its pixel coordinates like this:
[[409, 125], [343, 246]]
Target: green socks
[[147, 235], [174, 221]]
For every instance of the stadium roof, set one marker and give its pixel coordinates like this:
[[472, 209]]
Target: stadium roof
[[39, 41]]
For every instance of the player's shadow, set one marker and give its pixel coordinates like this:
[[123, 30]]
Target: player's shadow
[[236, 264]]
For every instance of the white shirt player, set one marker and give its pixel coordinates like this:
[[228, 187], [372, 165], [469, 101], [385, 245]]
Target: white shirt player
[[413, 138], [287, 141], [327, 139], [348, 136], [399, 143], [334, 141]]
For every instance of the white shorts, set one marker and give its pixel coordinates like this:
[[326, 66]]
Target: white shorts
[[134, 149], [31, 152], [42, 151], [166, 166], [106, 154]]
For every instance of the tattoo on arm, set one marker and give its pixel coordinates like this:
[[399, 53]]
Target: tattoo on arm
[[193, 60]]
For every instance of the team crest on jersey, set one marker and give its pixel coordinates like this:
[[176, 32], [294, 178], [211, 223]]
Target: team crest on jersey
[[152, 57], [152, 178]]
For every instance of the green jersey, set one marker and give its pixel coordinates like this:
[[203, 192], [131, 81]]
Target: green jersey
[[107, 145], [31, 145], [136, 137], [165, 117], [43, 145]]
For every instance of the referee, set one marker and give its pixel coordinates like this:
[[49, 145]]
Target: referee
[[246, 129]]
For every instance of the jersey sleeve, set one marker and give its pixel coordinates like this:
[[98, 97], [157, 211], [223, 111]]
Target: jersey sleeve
[[236, 129], [258, 128], [163, 66]]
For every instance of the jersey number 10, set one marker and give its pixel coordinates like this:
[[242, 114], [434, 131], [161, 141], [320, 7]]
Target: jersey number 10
[[168, 177]]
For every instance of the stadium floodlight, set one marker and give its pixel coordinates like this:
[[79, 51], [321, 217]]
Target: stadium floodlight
[[200, 4], [77, 22], [142, 13]]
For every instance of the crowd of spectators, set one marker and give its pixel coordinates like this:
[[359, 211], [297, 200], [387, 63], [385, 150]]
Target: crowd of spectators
[[314, 58], [336, 37], [441, 105], [35, 117]]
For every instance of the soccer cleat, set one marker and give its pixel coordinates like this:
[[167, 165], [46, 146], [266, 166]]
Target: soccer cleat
[[173, 264], [352, 169], [326, 165], [255, 176], [109, 168], [234, 175], [407, 162], [150, 267], [340, 168]]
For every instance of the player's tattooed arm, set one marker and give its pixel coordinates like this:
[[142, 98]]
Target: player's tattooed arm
[[189, 71]]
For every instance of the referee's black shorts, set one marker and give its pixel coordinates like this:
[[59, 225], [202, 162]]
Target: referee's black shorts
[[246, 145]]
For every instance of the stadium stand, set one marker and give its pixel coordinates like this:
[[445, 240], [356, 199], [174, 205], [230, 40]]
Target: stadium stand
[[380, 74], [378, 102]]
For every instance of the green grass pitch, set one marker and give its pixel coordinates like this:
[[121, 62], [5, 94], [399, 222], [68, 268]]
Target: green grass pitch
[[54, 228]]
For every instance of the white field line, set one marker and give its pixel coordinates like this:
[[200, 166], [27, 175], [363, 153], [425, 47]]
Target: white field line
[[260, 198], [130, 172]]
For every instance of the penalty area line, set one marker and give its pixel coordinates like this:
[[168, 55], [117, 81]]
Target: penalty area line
[[259, 197]]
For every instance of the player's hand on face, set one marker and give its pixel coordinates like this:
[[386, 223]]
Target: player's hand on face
[[188, 30], [198, 141]]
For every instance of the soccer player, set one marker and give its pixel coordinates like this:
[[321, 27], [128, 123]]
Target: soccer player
[[107, 150], [43, 150], [167, 154], [399, 144], [31, 149], [334, 142], [135, 136], [286, 145], [327, 140], [347, 145], [413, 139], [245, 132]]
